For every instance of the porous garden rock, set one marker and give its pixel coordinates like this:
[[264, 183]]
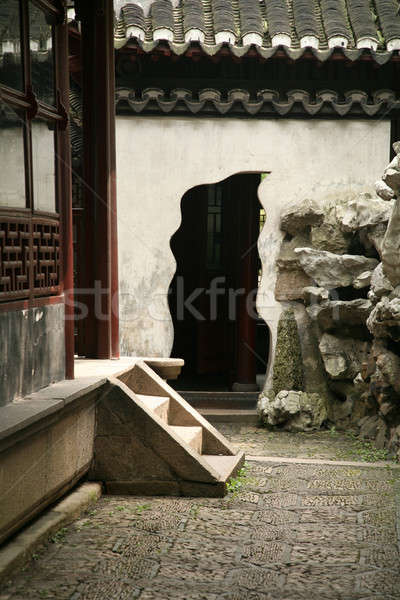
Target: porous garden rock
[[287, 258], [372, 237], [380, 284], [301, 217], [390, 251], [394, 441], [363, 280], [314, 376], [347, 413], [329, 236], [376, 236], [290, 284], [294, 410], [340, 412], [384, 191], [388, 364], [364, 211], [335, 314], [343, 357], [391, 175], [335, 270], [291, 278], [315, 295], [384, 320], [372, 427]]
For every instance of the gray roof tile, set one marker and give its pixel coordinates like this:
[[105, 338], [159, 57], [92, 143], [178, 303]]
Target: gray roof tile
[[305, 18], [162, 15], [223, 16], [193, 15], [250, 17], [278, 17], [362, 19], [387, 11], [335, 19], [351, 20]]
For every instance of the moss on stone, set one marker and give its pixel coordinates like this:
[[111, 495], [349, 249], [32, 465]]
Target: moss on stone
[[288, 364]]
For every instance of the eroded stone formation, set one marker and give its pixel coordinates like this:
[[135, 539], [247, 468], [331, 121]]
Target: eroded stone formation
[[339, 274]]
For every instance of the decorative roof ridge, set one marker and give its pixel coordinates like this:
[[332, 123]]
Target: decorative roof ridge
[[264, 102], [351, 54]]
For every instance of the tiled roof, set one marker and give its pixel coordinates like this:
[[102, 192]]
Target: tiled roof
[[323, 25], [265, 102]]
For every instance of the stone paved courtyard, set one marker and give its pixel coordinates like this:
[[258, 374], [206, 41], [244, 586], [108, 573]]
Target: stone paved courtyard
[[289, 532], [325, 444]]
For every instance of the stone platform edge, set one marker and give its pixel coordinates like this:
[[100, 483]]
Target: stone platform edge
[[18, 550], [91, 375]]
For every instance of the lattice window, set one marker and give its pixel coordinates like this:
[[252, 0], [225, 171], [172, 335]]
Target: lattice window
[[29, 258], [46, 257], [14, 259]]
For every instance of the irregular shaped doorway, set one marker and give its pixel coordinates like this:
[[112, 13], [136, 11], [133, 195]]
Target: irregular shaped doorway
[[212, 295]]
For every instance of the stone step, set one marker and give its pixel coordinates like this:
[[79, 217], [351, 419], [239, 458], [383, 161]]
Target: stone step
[[222, 415], [167, 368], [221, 400], [193, 436], [225, 466], [158, 404]]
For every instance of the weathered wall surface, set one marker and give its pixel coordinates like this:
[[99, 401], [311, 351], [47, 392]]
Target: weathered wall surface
[[32, 350], [43, 460], [158, 160]]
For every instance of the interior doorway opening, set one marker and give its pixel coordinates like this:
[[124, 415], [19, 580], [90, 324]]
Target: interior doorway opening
[[212, 297]]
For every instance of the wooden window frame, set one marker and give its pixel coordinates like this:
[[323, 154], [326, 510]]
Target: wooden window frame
[[44, 227]]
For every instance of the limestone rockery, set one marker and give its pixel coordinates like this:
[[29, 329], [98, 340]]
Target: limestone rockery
[[339, 282]]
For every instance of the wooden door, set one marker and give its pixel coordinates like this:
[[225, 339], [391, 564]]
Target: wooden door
[[212, 331]]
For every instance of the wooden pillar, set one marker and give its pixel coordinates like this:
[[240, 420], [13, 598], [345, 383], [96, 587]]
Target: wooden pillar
[[64, 192], [97, 27], [246, 191], [114, 229], [394, 135]]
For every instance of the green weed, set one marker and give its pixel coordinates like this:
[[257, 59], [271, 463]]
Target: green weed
[[236, 484], [333, 432], [59, 536], [362, 450], [141, 508]]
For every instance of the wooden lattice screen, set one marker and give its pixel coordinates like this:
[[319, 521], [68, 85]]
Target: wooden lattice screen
[[29, 257]]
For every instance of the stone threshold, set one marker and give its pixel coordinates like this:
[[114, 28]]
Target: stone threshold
[[317, 461], [226, 415]]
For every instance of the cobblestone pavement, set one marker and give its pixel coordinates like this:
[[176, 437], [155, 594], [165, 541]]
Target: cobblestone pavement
[[325, 445], [291, 532]]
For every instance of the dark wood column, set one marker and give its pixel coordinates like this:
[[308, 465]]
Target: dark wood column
[[394, 135], [64, 193], [245, 190], [101, 327]]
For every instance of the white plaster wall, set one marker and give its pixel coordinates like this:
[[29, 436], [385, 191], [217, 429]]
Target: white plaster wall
[[159, 159]]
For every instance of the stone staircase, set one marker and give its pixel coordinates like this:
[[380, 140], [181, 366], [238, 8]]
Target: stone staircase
[[150, 441], [225, 407]]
